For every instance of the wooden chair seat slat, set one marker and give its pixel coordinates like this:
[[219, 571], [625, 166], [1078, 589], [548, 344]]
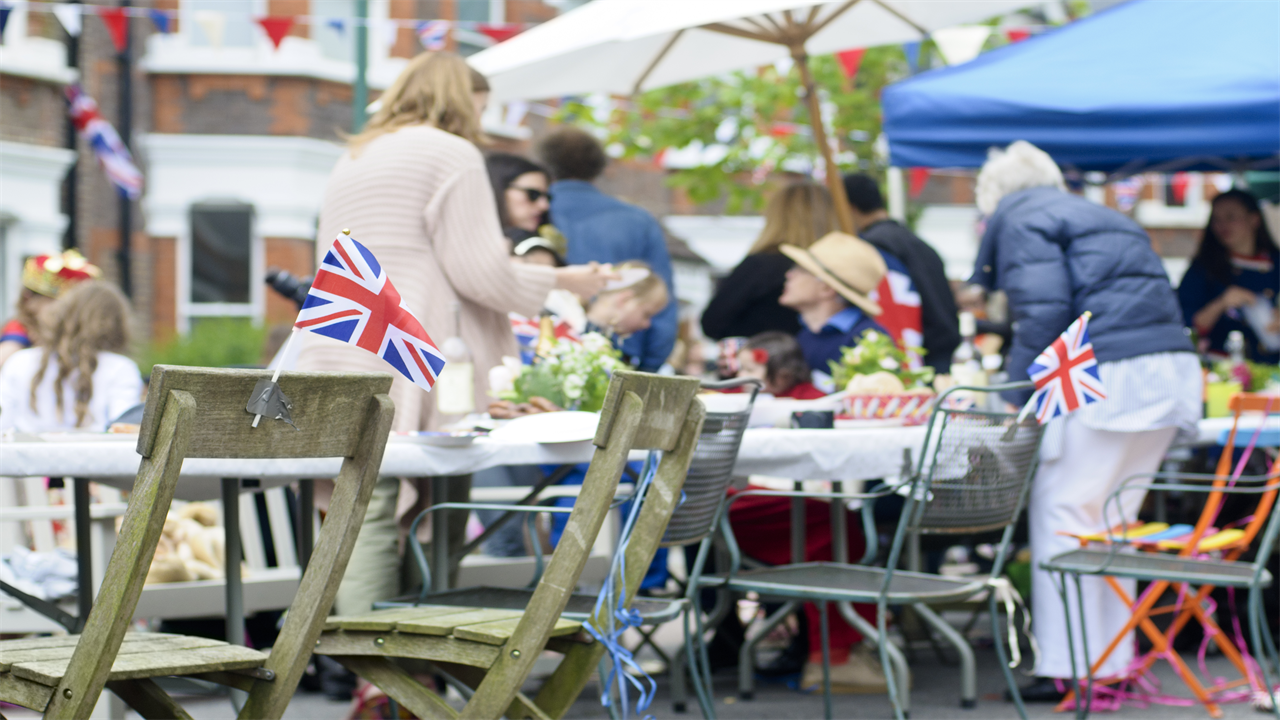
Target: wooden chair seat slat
[[404, 645], [134, 643], [499, 632], [151, 664], [445, 624]]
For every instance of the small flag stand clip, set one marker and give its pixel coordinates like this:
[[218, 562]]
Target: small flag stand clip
[[268, 399]]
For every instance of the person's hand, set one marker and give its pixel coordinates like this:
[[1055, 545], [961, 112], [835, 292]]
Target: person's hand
[[584, 280], [1236, 297]]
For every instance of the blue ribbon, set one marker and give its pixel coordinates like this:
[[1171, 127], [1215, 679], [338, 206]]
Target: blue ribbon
[[614, 593]]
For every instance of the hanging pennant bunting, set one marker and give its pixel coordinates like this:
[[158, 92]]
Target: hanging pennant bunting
[[850, 61], [160, 19], [384, 33], [516, 112], [4, 18], [277, 27], [1127, 192], [499, 31], [912, 51], [117, 25], [918, 177], [214, 25], [961, 44], [1017, 35], [102, 137], [338, 24], [434, 34], [69, 16]]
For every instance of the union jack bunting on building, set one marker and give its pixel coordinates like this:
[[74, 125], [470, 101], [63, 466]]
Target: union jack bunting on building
[[1066, 374], [353, 300], [106, 143]]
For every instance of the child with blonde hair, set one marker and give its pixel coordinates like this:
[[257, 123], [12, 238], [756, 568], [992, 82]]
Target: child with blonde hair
[[78, 380], [627, 305]]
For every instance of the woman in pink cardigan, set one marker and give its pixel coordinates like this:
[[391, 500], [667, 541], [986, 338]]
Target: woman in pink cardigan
[[413, 188]]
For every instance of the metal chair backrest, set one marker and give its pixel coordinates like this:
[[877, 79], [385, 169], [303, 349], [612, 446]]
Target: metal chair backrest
[[1239, 404], [975, 470], [712, 467]]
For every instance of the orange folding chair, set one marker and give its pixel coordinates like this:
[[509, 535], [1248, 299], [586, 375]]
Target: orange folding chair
[[1206, 557]]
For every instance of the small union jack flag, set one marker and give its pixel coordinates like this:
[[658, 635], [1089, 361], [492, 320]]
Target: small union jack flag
[[1066, 374], [434, 34], [353, 300]]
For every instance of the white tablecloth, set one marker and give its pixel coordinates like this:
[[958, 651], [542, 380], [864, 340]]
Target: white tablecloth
[[803, 454], [845, 454]]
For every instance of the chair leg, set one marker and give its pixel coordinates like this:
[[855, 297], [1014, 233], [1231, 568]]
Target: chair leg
[[702, 662], [1014, 691], [968, 673], [676, 672], [747, 655], [897, 665], [148, 699], [1257, 623], [825, 631], [1084, 644], [1061, 584], [702, 686], [896, 685]]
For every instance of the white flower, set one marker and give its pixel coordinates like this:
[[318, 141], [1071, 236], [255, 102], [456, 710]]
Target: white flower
[[889, 364], [502, 378], [595, 342], [573, 386], [871, 336]]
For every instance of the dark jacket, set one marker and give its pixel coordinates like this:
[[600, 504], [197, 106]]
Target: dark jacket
[[607, 230], [1057, 255], [746, 302], [1199, 288], [937, 303]]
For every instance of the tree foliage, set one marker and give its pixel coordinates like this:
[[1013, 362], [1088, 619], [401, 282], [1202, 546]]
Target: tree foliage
[[744, 126]]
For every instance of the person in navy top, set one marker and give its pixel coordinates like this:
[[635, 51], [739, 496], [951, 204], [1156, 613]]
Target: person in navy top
[[603, 229], [1233, 280], [829, 288]]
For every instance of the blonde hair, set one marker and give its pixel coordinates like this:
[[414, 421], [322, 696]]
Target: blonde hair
[[649, 289], [434, 89], [90, 318], [798, 214], [1018, 167]]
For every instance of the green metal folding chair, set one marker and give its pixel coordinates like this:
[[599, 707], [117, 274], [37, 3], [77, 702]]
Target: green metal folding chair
[[973, 477]]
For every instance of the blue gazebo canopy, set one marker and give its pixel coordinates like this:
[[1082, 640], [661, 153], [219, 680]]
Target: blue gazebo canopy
[[1150, 84]]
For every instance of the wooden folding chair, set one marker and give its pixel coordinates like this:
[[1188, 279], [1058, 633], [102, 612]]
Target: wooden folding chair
[[487, 653], [200, 412], [1187, 569]]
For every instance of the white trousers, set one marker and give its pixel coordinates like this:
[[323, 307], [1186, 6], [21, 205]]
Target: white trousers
[[1068, 496]]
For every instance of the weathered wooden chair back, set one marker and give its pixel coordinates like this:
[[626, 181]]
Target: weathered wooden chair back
[[641, 412], [200, 412]]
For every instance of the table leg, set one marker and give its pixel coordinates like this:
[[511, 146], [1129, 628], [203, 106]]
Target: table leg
[[839, 526], [84, 554], [797, 525], [235, 589], [439, 535], [306, 521]]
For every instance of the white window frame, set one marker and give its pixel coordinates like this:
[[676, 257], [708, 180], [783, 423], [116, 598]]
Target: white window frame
[[255, 309]]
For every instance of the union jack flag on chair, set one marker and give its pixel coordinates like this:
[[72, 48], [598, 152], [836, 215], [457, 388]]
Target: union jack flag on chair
[[1066, 374], [353, 300]]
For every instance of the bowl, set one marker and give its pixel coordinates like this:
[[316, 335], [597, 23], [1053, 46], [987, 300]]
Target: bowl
[[909, 408]]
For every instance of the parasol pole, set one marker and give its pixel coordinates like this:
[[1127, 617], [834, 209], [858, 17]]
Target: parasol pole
[[844, 214]]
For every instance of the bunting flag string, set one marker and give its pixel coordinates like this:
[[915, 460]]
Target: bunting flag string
[[918, 177], [434, 34], [850, 61], [1017, 35], [961, 44], [276, 27], [4, 17], [117, 25], [912, 52], [70, 14], [107, 146]]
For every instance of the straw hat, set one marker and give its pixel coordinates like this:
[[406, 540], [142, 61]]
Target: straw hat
[[849, 265]]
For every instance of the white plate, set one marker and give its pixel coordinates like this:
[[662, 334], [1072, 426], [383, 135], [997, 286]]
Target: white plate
[[457, 438], [555, 427]]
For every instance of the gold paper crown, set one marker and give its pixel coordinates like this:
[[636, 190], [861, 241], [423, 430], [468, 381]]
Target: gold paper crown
[[51, 275]]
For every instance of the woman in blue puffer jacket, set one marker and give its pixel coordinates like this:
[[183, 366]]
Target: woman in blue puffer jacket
[[1057, 255]]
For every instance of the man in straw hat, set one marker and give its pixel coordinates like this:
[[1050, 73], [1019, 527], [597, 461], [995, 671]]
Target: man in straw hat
[[830, 288]]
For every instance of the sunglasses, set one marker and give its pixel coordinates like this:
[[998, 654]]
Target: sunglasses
[[533, 194]]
